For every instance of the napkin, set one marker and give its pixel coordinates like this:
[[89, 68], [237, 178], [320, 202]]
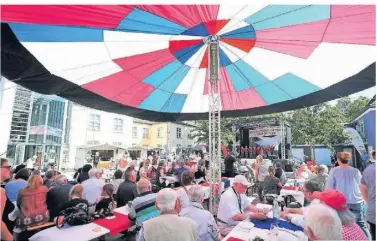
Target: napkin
[[288, 188]]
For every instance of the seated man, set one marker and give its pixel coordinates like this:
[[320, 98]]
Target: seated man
[[143, 207], [168, 225], [58, 195], [235, 206], [93, 186], [309, 188], [322, 223], [127, 190], [207, 227]]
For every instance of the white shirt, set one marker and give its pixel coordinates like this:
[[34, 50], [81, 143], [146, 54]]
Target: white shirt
[[183, 197], [92, 189], [299, 220], [229, 206]]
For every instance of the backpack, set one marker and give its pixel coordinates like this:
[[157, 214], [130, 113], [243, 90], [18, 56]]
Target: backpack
[[74, 216]]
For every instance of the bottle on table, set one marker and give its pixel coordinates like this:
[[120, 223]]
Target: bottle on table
[[276, 209]]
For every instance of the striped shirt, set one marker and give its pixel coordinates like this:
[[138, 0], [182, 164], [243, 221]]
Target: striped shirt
[[143, 208]]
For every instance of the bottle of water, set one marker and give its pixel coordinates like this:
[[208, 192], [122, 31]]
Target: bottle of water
[[276, 209]]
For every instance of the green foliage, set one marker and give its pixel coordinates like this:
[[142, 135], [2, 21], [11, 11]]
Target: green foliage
[[319, 124], [323, 123]]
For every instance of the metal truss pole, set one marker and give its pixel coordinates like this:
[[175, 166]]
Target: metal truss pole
[[214, 123], [282, 131]]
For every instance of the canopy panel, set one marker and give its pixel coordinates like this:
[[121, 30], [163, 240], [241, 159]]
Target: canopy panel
[[150, 61]]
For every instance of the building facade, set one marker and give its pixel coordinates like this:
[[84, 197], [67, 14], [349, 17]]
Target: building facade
[[33, 124], [171, 137], [93, 128]]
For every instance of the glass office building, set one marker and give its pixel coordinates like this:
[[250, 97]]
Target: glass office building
[[40, 124]]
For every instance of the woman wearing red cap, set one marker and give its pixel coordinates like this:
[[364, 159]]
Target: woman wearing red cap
[[347, 180], [337, 201]]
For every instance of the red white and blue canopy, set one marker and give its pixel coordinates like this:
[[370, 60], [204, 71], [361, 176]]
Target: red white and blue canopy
[[150, 61]]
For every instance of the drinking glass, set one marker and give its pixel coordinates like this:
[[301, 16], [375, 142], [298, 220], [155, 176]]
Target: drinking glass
[[274, 232]]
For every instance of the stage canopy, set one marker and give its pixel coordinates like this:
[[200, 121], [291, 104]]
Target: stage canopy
[[150, 61]]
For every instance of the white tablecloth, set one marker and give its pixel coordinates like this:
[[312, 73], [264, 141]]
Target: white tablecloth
[[298, 195], [169, 179], [252, 232], [77, 233], [122, 210], [290, 182]]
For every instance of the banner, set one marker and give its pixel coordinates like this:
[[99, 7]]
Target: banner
[[356, 140], [214, 62], [264, 132]]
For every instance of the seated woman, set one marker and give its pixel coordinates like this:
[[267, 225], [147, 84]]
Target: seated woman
[[118, 179], [201, 171], [106, 199], [271, 184], [172, 169], [76, 199], [31, 202], [320, 177]]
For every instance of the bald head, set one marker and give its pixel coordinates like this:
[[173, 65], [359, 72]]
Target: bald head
[[143, 186]]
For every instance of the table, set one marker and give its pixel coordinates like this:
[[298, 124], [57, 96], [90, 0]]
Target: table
[[116, 225], [250, 232], [80, 233], [169, 179], [298, 195]]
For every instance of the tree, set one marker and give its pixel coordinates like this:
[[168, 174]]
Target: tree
[[323, 123], [202, 134], [351, 108]]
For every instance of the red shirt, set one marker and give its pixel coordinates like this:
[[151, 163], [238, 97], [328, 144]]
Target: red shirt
[[250, 149], [353, 232], [242, 150]]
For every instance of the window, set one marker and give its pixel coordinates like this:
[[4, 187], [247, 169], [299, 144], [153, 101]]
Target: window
[[92, 142], [94, 122], [134, 132], [115, 143], [159, 132], [145, 133], [118, 125], [179, 133]]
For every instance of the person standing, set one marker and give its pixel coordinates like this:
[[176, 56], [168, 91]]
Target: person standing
[[7, 206], [347, 180], [368, 191], [229, 165], [260, 174]]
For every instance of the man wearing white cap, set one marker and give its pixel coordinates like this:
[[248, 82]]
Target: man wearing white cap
[[235, 206], [168, 226]]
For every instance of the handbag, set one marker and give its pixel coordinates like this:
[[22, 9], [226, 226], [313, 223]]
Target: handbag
[[74, 216]]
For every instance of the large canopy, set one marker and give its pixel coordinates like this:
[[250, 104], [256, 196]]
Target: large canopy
[[150, 61]]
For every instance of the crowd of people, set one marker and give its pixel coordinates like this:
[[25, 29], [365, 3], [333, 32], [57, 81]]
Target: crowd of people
[[333, 209]]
